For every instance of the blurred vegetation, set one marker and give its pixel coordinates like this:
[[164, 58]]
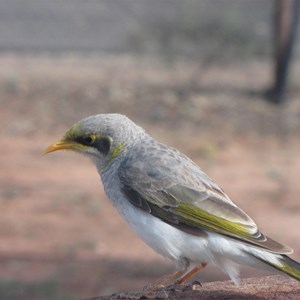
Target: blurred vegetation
[[214, 30]]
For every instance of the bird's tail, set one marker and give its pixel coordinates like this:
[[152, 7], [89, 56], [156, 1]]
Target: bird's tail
[[282, 263]]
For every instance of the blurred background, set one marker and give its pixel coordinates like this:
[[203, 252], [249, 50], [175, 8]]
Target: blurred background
[[194, 74]]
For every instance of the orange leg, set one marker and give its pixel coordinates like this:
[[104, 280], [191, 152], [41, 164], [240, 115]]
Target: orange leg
[[186, 276], [169, 278], [179, 277]]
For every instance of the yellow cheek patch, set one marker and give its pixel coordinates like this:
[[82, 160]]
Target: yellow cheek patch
[[116, 152]]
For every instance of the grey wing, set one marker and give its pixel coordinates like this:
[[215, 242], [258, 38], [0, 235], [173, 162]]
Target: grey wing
[[170, 186], [162, 169]]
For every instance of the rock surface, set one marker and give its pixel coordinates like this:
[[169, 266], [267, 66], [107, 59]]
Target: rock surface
[[271, 287]]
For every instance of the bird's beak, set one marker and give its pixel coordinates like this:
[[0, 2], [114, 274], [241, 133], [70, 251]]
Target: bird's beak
[[61, 145]]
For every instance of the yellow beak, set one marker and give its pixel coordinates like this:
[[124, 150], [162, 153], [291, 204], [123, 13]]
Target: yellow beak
[[61, 145]]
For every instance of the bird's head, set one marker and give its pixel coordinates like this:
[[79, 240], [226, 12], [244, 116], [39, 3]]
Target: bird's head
[[102, 137]]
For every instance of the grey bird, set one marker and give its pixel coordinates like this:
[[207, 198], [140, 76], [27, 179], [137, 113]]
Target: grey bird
[[171, 203]]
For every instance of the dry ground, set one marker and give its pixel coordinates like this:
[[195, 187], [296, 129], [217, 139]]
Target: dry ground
[[60, 238]]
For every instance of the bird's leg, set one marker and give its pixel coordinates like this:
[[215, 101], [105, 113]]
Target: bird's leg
[[185, 276], [167, 279], [177, 278]]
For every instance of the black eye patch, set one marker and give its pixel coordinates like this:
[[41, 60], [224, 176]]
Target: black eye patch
[[102, 144], [85, 140]]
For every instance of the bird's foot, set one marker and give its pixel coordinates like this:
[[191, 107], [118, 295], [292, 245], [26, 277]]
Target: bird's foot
[[163, 282], [179, 287], [166, 291]]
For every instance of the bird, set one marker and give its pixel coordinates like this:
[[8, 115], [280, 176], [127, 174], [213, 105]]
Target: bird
[[171, 204]]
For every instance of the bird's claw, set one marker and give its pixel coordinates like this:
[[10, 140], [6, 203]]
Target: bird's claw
[[184, 287]]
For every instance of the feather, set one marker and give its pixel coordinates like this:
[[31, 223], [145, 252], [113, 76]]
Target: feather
[[179, 193]]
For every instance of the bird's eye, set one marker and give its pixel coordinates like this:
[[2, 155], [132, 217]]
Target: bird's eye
[[101, 143], [88, 140]]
